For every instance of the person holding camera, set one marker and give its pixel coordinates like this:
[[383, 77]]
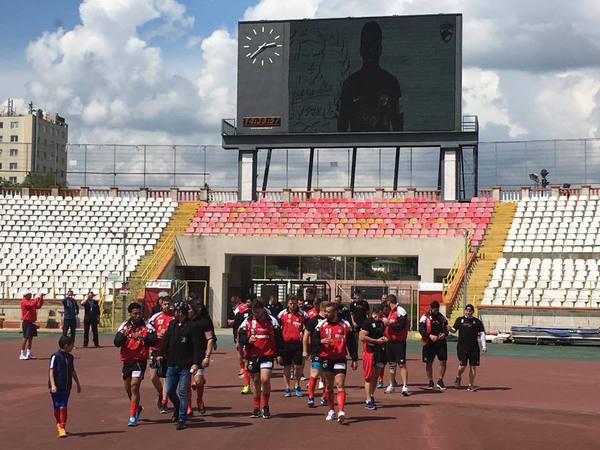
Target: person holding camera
[[71, 311], [91, 318]]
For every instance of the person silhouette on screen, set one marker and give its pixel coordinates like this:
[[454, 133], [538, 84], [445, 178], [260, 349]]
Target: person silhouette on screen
[[370, 97]]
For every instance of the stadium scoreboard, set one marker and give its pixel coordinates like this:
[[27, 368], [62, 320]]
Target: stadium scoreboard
[[371, 74]]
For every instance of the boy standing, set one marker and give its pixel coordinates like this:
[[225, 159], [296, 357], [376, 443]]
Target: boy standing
[[29, 309], [60, 380]]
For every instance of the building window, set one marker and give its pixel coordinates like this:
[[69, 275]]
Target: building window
[[14, 138], [14, 125], [12, 166], [14, 152], [0, 166], [1, 124], [12, 180], [0, 138]]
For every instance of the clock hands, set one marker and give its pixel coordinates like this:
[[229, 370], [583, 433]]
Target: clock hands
[[261, 48]]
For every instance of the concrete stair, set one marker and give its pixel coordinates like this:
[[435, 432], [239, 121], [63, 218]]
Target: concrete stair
[[480, 271], [155, 261]]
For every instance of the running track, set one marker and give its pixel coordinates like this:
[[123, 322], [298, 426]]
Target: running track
[[523, 403]]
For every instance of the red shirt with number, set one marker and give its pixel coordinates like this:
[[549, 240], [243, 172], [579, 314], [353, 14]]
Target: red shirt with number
[[160, 321], [338, 332], [135, 349], [264, 332], [292, 325]]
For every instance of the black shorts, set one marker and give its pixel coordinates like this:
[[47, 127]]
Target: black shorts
[[29, 329], [335, 365], [435, 349], [134, 369], [469, 356], [161, 369], [396, 352], [255, 365], [292, 353]]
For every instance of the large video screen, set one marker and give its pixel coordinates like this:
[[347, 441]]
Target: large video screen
[[384, 74]]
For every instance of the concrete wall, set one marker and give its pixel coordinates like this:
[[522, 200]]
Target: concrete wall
[[502, 319], [216, 252]]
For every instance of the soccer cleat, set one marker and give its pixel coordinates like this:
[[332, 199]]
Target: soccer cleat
[[472, 388], [163, 409], [61, 431], [440, 385], [405, 391], [311, 402], [287, 393], [266, 414], [331, 416], [341, 417], [29, 355], [298, 391], [159, 402], [370, 406], [132, 422], [390, 389], [202, 409], [457, 383], [255, 413], [380, 385], [138, 413], [323, 401], [246, 390], [180, 425]]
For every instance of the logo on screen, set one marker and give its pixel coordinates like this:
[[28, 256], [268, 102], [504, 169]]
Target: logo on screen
[[261, 122], [446, 32]]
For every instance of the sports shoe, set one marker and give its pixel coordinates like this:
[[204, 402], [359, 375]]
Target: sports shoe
[[29, 355], [266, 414], [138, 413], [430, 386], [163, 409], [201, 409], [323, 401], [287, 393], [298, 391], [472, 388], [341, 417], [180, 425], [175, 417], [255, 413], [457, 382], [246, 390], [331, 416], [23, 356], [241, 374], [390, 389], [61, 431], [380, 385], [405, 391], [189, 412], [132, 422], [311, 402], [440, 385], [370, 406]]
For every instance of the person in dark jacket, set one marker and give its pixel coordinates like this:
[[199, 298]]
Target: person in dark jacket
[[181, 352], [71, 311], [60, 380], [91, 318]]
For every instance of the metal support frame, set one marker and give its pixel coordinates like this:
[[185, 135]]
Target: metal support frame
[[353, 169], [396, 168], [267, 166], [311, 159]]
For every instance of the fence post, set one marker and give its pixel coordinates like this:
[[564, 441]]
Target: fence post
[[84, 191], [286, 195], [54, 192], [379, 193], [525, 192], [555, 191], [316, 193], [496, 193], [25, 191], [143, 192], [203, 194], [411, 192], [586, 189], [174, 194], [113, 192]]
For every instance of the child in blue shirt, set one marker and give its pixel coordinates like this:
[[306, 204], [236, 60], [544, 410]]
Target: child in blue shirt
[[60, 380]]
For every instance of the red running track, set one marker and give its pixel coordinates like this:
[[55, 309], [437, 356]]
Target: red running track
[[523, 403]]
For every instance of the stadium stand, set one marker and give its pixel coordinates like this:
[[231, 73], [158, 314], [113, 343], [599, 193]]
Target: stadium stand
[[51, 244], [345, 218]]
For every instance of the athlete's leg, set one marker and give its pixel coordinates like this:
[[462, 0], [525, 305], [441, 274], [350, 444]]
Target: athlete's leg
[[442, 369], [265, 386], [287, 373], [340, 382], [472, 374]]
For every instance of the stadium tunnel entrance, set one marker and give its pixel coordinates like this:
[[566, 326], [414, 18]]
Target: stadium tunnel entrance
[[237, 266]]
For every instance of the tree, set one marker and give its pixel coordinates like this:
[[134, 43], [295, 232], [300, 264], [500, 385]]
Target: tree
[[42, 180]]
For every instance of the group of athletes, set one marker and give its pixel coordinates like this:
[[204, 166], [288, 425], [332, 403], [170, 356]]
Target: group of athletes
[[179, 340]]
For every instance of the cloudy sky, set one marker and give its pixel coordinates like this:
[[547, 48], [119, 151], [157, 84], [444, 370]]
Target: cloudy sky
[[163, 71]]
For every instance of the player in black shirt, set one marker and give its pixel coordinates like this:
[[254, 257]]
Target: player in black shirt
[[359, 310], [316, 366], [372, 335], [433, 327], [204, 326], [470, 332], [343, 311]]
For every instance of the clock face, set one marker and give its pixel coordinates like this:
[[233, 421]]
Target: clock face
[[262, 45]]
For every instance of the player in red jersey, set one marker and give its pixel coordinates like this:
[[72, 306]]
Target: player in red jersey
[[332, 341], [242, 312], [396, 331], [292, 322], [316, 366], [372, 335], [261, 341], [158, 373], [204, 326], [134, 337]]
